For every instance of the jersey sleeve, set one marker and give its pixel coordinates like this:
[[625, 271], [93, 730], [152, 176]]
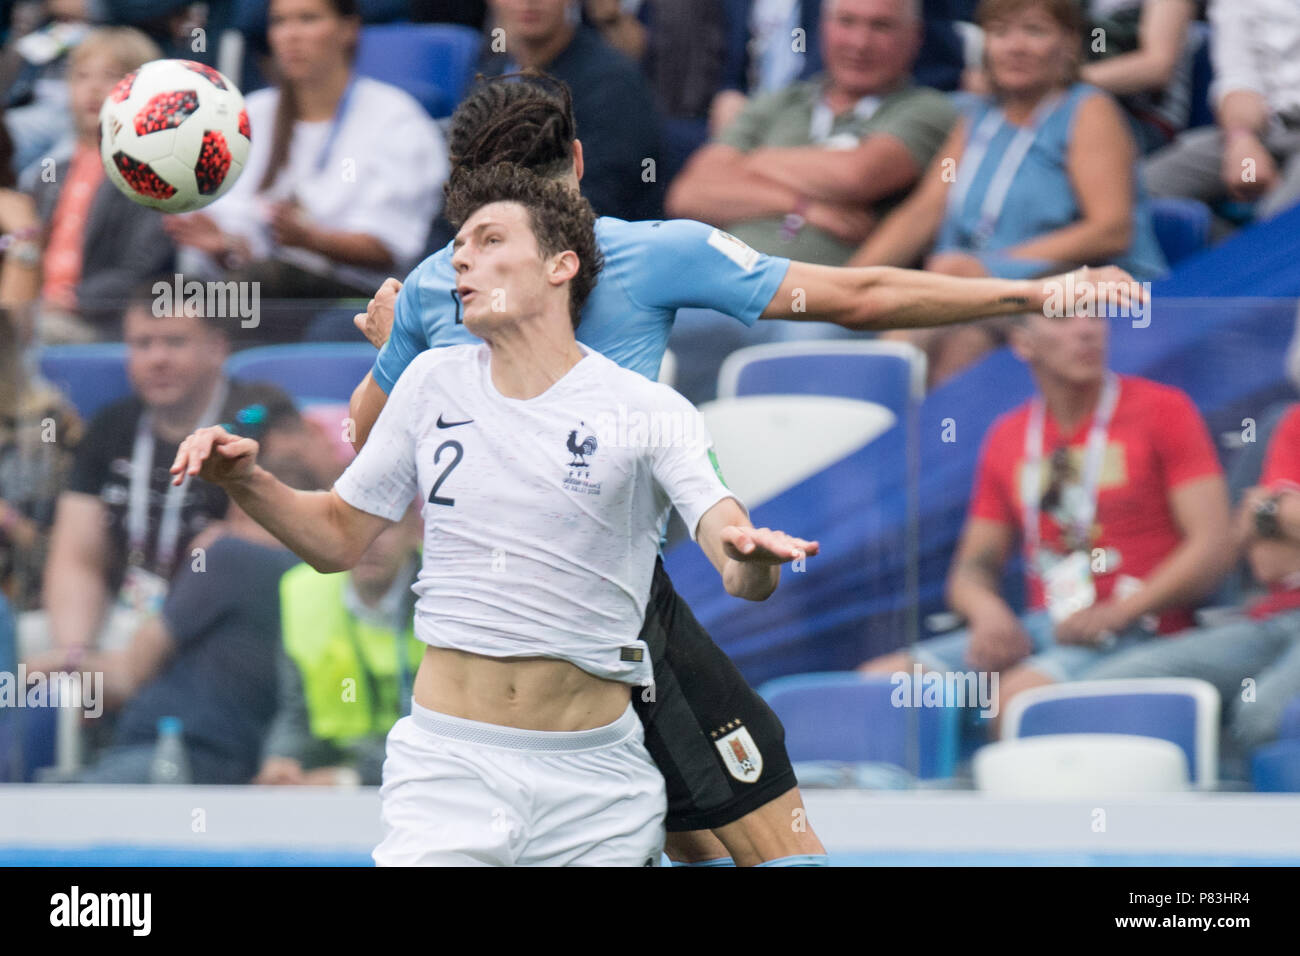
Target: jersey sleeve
[[1282, 464], [1183, 441], [406, 340], [685, 264], [687, 470], [992, 496], [382, 479]]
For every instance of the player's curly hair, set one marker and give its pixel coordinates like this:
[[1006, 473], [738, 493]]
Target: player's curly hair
[[524, 118], [560, 219]]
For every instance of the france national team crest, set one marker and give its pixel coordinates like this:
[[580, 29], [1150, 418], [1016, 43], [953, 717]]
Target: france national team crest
[[581, 446], [739, 752]]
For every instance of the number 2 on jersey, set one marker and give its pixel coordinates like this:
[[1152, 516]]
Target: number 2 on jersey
[[458, 451]]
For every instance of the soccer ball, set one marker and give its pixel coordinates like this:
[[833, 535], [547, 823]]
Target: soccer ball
[[174, 135]]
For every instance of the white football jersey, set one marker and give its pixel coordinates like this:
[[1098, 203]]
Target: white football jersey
[[542, 516]]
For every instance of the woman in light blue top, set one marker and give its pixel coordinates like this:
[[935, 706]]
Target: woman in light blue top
[[1035, 179]]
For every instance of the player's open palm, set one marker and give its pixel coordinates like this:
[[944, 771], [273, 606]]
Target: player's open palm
[[215, 455], [764, 546]]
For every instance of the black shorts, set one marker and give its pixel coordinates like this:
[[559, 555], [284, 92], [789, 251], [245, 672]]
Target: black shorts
[[719, 746]]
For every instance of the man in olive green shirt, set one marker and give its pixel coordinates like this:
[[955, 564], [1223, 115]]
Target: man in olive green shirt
[[806, 172]]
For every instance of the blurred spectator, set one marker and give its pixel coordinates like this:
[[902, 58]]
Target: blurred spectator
[[620, 24], [1261, 643], [32, 67], [1035, 179], [611, 100], [1113, 488], [121, 527], [208, 656], [337, 628], [1142, 57], [90, 243], [180, 28], [1253, 151], [806, 171], [39, 431], [682, 49], [343, 176]]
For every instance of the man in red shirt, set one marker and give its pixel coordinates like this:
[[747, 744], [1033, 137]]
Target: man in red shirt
[[1112, 488], [1263, 642]]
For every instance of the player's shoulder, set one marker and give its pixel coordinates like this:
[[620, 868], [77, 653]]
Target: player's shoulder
[[428, 368], [629, 384]]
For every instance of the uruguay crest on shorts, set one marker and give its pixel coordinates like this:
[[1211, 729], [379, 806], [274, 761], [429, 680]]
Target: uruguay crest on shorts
[[741, 755]]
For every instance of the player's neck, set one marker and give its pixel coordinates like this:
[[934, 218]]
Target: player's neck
[[318, 98], [1069, 403], [540, 53], [528, 359]]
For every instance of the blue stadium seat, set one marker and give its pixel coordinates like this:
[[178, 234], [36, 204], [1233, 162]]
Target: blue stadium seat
[[1275, 768], [92, 376], [1182, 710], [1289, 726], [317, 372], [886, 373], [431, 61], [850, 717], [1182, 227]]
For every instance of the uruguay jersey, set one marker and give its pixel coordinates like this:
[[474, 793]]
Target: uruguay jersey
[[652, 269], [541, 516]]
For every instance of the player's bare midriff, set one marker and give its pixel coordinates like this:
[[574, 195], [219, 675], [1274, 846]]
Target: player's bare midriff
[[530, 693]]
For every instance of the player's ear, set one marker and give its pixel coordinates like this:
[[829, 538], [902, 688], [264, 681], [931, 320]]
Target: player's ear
[[563, 267], [578, 164]]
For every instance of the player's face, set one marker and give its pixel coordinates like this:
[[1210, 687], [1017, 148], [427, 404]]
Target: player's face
[[531, 20], [308, 37], [1026, 51], [869, 44], [500, 272], [89, 83], [170, 359], [1069, 348]]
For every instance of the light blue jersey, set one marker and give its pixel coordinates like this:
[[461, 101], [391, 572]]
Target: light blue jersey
[[652, 269]]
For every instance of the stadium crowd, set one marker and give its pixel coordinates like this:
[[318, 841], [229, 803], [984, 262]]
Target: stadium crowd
[[1007, 138]]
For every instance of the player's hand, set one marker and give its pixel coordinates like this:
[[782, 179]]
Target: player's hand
[[997, 639], [1104, 285], [376, 323], [1093, 626], [764, 546], [280, 771], [215, 455]]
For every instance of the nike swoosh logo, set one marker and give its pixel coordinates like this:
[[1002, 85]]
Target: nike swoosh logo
[[442, 424]]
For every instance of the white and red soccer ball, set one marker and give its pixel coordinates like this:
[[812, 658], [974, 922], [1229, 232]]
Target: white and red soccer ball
[[174, 135]]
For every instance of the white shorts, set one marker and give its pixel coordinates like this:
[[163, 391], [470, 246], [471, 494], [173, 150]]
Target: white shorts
[[459, 792]]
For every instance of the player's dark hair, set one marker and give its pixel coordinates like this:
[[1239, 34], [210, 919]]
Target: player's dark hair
[[523, 118], [286, 108], [560, 219]]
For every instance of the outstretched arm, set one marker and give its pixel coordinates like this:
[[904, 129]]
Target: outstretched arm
[[318, 526], [873, 298], [748, 558]]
